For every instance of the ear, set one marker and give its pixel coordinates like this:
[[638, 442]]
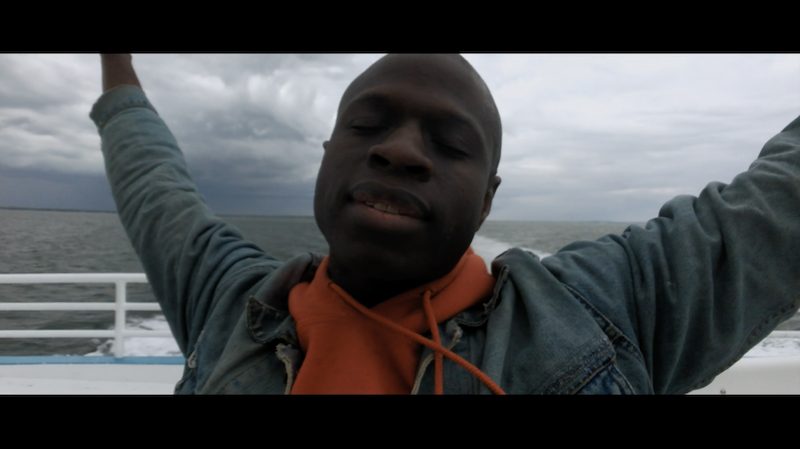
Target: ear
[[487, 199]]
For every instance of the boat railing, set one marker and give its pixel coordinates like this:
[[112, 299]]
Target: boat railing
[[120, 307]]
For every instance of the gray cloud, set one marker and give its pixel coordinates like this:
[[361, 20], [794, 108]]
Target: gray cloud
[[586, 137], [613, 137]]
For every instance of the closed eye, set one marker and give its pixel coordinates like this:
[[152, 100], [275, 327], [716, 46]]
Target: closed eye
[[451, 151], [367, 129]]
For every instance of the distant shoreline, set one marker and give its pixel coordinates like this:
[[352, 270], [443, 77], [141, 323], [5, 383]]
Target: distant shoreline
[[114, 212], [57, 210], [311, 216]]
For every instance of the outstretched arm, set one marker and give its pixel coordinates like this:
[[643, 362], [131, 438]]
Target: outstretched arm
[[118, 71], [708, 279], [188, 253]]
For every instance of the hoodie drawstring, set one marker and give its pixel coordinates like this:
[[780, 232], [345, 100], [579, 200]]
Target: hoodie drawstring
[[436, 345], [438, 373]]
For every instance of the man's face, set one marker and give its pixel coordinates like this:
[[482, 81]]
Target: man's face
[[405, 180]]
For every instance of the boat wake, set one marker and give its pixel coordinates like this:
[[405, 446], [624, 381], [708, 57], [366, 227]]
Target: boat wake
[[143, 347], [489, 248]]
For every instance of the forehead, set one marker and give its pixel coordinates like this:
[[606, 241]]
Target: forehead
[[446, 72], [442, 82], [443, 85]]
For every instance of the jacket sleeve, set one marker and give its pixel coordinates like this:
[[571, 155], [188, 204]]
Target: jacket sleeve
[[709, 278], [185, 250]]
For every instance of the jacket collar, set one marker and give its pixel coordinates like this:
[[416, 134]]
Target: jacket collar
[[269, 321], [268, 318]]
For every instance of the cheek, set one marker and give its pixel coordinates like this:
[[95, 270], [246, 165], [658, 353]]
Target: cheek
[[319, 207], [334, 176], [465, 207], [323, 192]]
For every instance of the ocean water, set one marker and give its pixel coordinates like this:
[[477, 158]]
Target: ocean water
[[35, 241]]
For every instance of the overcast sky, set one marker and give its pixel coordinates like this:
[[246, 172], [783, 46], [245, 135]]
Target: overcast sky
[[585, 137]]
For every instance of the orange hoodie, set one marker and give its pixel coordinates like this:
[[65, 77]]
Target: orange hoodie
[[354, 350]]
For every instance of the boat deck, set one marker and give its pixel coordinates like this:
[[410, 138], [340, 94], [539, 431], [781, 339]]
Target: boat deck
[[89, 375], [141, 376], [772, 367]]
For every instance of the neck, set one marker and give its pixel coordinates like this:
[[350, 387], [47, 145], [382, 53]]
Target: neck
[[368, 290]]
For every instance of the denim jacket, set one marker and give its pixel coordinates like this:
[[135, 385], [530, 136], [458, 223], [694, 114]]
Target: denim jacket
[[659, 309]]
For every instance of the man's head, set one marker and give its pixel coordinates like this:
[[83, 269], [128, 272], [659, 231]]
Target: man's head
[[409, 173]]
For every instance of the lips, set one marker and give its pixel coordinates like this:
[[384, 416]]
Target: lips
[[390, 200]]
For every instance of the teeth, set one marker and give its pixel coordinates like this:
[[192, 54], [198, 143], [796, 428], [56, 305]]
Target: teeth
[[384, 208]]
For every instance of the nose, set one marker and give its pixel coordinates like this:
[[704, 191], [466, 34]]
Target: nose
[[403, 152]]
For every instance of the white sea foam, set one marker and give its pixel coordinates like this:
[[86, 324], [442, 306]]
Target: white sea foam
[[489, 248], [142, 347], [775, 347]]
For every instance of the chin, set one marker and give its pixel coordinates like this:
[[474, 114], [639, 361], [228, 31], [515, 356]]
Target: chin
[[397, 261]]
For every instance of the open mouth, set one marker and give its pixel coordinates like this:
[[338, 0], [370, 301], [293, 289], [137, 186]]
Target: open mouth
[[390, 200], [384, 208]]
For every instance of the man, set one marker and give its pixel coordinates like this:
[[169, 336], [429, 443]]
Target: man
[[402, 305]]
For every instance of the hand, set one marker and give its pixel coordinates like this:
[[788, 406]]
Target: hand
[[118, 71]]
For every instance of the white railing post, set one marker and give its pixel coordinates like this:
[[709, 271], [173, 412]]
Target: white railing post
[[119, 319]]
